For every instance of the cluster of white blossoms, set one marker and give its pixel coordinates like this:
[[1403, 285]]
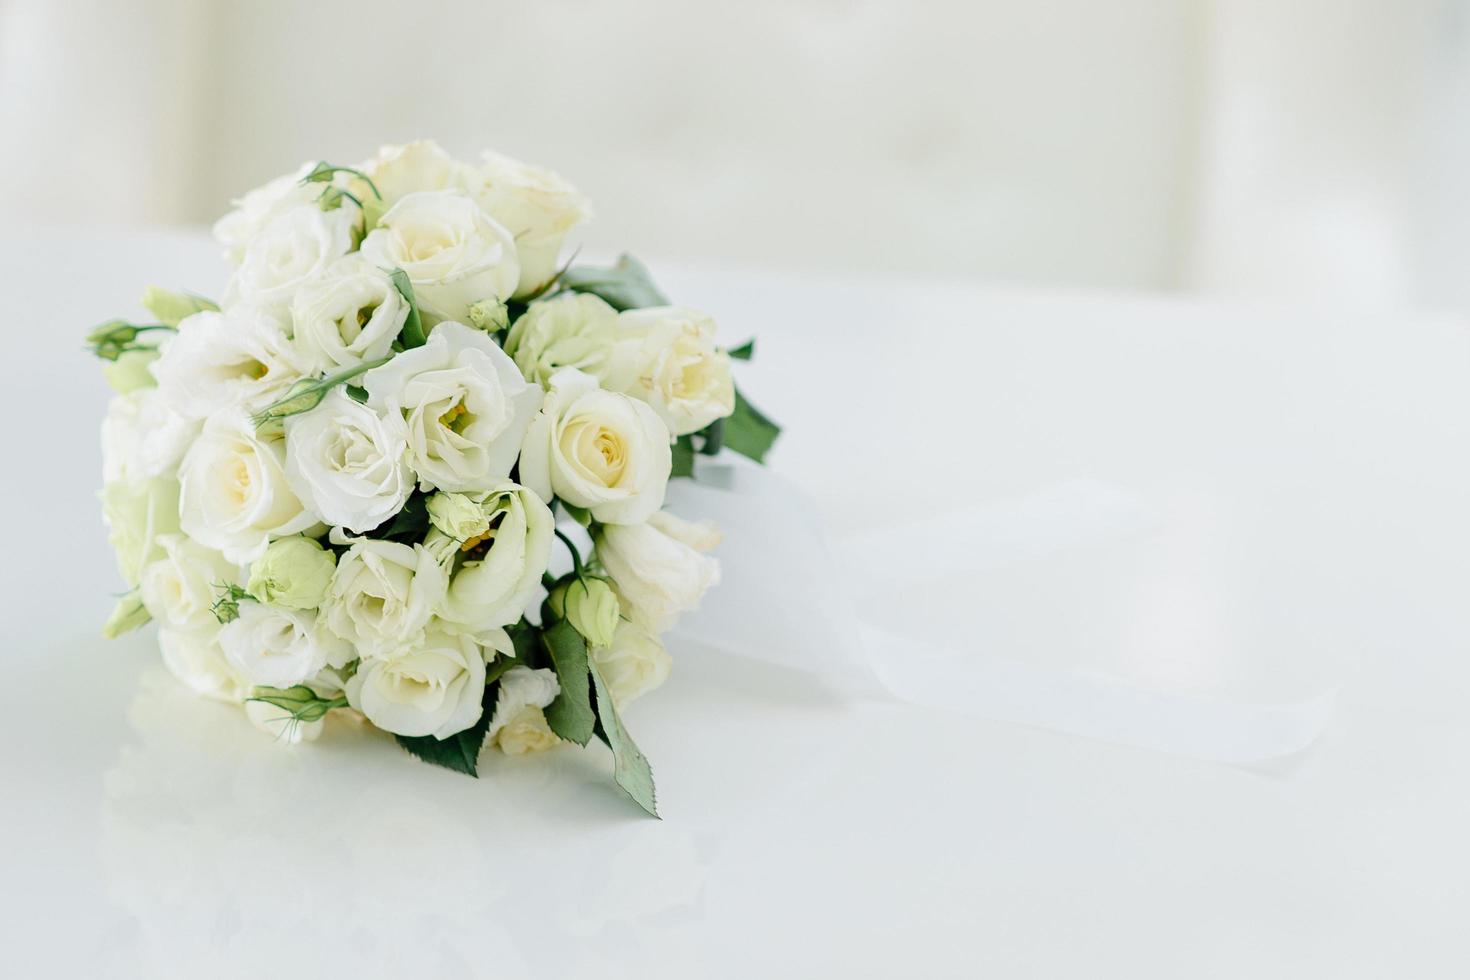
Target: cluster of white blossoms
[[411, 468]]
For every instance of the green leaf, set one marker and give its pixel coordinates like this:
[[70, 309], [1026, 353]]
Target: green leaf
[[683, 450], [308, 393], [714, 437], [126, 616], [625, 285], [630, 768], [412, 334], [744, 352], [460, 751], [171, 307], [570, 715], [410, 524], [748, 431]]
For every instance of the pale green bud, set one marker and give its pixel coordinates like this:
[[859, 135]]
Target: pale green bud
[[490, 315], [171, 307], [127, 615], [130, 371], [293, 572], [590, 605], [457, 516]]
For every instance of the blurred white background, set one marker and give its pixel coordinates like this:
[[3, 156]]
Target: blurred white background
[[1300, 150]]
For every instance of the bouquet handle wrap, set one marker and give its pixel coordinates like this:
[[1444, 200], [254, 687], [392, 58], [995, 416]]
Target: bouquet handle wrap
[[792, 598]]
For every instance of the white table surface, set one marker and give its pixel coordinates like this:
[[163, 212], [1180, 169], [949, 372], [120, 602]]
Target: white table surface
[[1313, 473]]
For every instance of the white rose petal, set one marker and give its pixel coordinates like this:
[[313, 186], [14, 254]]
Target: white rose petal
[[382, 595], [257, 208], [658, 572], [195, 658], [597, 449], [137, 515], [234, 495], [452, 251], [431, 687], [633, 664], [179, 588], [347, 463], [221, 360], [143, 437], [677, 368], [465, 403], [538, 207], [270, 646], [348, 316], [398, 171], [295, 247]]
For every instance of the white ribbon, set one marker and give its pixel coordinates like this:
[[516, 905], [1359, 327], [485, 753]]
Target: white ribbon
[[789, 598]]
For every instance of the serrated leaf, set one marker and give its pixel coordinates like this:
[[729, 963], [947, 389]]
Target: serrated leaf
[[744, 352], [412, 333], [625, 285], [460, 751], [570, 715], [631, 770], [748, 431], [683, 453]]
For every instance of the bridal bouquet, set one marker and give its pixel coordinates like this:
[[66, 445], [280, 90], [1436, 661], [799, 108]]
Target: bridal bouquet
[[411, 469]]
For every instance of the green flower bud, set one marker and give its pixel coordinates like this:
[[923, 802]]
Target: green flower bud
[[130, 371], [590, 605], [127, 615], [457, 516], [490, 315], [171, 307], [293, 572]]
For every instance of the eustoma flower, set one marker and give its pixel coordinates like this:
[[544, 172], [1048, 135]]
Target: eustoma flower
[[464, 402], [660, 567], [432, 686], [383, 594], [221, 360], [676, 367], [349, 316]]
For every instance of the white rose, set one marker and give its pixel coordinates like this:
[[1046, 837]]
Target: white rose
[[350, 315], [221, 360], [658, 567], [195, 658], [143, 437], [271, 646], [258, 207], [519, 724], [234, 495], [137, 514], [677, 367], [295, 247], [347, 463], [576, 330], [537, 206], [466, 405], [398, 171], [453, 252], [597, 449], [178, 588], [382, 595], [633, 664], [494, 576], [431, 687]]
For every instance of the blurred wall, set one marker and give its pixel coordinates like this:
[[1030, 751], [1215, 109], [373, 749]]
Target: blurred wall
[[1242, 147]]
